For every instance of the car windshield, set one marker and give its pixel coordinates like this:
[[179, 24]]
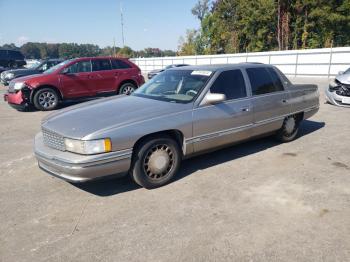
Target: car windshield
[[177, 86], [34, 65], [347, 71], [54, 68]]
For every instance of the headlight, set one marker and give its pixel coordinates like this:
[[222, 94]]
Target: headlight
[[18, 86], [88, 147], [333, 83], [9, 75]]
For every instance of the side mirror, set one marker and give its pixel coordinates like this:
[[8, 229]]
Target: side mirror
[[340, 72], [65, 71], [212, 99]]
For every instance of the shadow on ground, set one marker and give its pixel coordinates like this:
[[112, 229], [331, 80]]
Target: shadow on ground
[[112, 186]]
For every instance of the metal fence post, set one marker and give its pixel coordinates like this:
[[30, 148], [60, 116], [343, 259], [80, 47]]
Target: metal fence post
[[296, 65], [269, 59], [330, 60]]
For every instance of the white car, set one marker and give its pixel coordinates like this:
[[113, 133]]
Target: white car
[[338, 92]]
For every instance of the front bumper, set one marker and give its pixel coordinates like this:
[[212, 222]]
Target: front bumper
[[19, 100], [77, 168], [335, 99]]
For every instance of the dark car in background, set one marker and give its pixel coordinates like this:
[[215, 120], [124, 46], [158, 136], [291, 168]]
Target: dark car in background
[[153, 73], [8, 75], [74, 79], [11, 58]]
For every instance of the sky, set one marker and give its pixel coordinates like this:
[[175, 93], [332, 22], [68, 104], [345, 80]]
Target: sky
[[147, 23]]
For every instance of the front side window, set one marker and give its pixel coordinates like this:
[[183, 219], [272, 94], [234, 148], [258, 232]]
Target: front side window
[[80, 67], [177, 86], [101, 65], [230, 83], [264, 81]]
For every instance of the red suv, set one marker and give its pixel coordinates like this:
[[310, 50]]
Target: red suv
[[72, 79]]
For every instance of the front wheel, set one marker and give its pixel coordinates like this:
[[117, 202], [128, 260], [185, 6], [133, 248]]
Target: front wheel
[[127, 89], [46, 99], [156, 161], [289, 129]]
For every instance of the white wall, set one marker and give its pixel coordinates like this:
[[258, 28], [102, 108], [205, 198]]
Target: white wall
[[323, 62]]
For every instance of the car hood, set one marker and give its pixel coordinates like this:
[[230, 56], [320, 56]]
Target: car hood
[[22, 71], [104, 114], [156, 71], [344, 79], [24, 78]]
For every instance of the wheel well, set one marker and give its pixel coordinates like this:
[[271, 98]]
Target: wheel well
[[173, 133], [299, 117], [45, 86], [127, 81]]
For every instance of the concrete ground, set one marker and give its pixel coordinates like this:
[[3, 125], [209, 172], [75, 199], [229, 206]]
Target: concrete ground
[[258, 201]]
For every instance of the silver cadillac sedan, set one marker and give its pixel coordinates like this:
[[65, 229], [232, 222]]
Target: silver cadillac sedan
[[179, 113]]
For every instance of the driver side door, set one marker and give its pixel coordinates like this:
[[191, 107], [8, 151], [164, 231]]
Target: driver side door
[[223, 123], [76, 81]]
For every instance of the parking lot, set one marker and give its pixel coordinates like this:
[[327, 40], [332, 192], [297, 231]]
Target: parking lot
[[257, 201]]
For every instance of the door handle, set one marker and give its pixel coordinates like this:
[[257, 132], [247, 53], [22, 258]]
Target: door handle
[[245, 109], [284, 101]]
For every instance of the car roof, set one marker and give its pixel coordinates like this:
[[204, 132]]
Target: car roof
[[99, 57], [221, 67]]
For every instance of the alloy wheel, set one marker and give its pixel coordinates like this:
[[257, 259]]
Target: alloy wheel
[[47, 99]]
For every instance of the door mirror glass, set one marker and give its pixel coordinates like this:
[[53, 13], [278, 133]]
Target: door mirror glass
[[65, 71], [213, 98]]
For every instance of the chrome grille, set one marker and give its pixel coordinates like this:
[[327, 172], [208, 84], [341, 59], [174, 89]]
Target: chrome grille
[[53, 140]]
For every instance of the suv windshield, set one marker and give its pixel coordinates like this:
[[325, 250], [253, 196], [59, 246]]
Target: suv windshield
[[54, 68], [180, 86]]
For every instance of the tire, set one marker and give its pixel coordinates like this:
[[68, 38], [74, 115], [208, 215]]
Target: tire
[[155, 162], [127, 89], [46, 99], [289, 129]]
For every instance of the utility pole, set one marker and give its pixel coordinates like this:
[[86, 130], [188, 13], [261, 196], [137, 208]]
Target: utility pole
[[114, 47], [122, 23]]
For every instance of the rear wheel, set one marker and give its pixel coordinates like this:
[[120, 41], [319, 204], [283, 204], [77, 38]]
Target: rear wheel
[[46, 99], [127, 89], [156, 161], [289, 129]]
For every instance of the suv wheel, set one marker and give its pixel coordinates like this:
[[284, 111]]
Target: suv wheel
[[156, 161], [289, 129], [46, 99], [127, 89]]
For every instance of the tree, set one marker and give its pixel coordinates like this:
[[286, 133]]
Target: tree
[[200, 10], [31, 50]]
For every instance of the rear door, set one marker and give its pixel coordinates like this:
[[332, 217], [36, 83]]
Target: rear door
[[103, 77], [76, 81], [226, 122], [270, 101]]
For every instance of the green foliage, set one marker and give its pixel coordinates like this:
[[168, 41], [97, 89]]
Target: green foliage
[[71, 50], [233, 26]]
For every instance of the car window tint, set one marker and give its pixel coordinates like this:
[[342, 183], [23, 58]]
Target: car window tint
[[101, 65], [119, 64], [80, 67], [231, 83], [275, 79], [263, 82]]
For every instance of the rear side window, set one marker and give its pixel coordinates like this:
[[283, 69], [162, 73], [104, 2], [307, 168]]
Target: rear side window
[[119, 64], [80, 67], [231, 83], [101, 65], [264, 80]]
